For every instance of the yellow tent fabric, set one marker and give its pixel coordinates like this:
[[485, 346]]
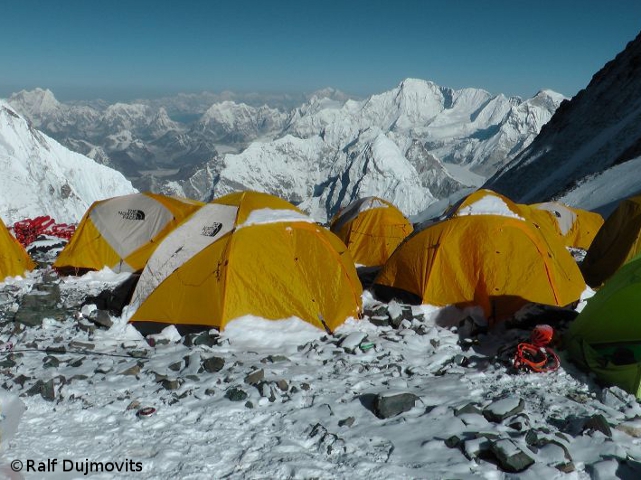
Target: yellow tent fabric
[[14, 260], [575, 226], [371, 228], [122, 232], [496, 262], [617, 242], [238, 256], [248, 201], [485, 202]]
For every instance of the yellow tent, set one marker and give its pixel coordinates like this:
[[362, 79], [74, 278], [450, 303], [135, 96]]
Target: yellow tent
[[248, 254], [575, 226], [371, 228], [122, 232], [496, 262], [14, 260], [617, 242]]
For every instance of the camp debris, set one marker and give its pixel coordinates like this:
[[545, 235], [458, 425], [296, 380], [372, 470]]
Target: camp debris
[[248, 253], [536, 355], [29, 229], [371, 228], [122, 232]]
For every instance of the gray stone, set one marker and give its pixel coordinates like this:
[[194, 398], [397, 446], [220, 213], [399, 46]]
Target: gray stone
[[55, 349], [21, 379], [555, 454], [326, 442], [209, 339], [29, 318], [501, 409], [275, 359], [352, 341], [379, 320], [631, 427], [473, 447], [255, 377], [101, 318], [386, 406], [346, 422], [379, 310], [86, 326], [510, 457], [50, 362], [176, 366], [598, 423], [467, 408], [138, 353], [7, 363], [133, 370], [81, 345], [236, 394], [267, 390], [45, 389], [168, 384], [76, 363], [283, 385], [519, 422], [213, 364], [159, 377], [568, 467], [453, 442]]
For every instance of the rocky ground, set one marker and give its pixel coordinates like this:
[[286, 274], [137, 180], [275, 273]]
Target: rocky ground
[[405, 392]]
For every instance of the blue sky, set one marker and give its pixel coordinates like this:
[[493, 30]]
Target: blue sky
[[117, 49]]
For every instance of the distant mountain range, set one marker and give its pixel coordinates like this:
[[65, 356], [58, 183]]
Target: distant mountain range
[[41, 177], [588, 154], [322, 155]]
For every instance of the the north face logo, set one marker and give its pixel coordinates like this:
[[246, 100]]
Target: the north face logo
[[212, 230], [132, 214]]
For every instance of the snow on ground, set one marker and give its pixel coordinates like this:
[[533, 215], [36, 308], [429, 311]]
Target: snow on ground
[[603, 192], [463, 175], [405, 392]]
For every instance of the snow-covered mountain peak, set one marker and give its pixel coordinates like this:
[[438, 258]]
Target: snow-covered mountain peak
[[546, 98], [40, 100], [41, 177], [594, 132]]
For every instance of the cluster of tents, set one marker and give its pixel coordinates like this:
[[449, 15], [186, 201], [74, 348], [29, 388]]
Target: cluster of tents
[[250, 253]]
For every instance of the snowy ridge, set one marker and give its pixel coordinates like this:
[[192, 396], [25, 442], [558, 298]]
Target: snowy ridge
[[320, 179], [430, 125], [41, 177], [599, 129], [390, 145]]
